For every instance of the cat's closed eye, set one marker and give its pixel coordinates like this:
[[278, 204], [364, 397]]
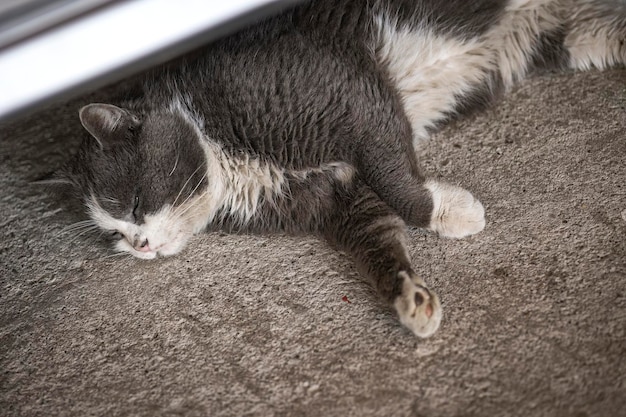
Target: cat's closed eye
[[114, 234], [135, 207]]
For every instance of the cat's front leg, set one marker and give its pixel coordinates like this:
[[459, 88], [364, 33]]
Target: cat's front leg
[[390, 167], [456, 213], [418, 307], [366, 227]]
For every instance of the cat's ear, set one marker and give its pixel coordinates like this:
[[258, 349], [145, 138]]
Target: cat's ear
[[107, 123]]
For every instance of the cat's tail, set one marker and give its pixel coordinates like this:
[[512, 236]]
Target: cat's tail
[[595, 33]]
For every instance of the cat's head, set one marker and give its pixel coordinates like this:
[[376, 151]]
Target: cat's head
[[142, 178]]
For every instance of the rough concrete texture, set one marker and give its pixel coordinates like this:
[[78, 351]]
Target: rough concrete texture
[[535, 306]]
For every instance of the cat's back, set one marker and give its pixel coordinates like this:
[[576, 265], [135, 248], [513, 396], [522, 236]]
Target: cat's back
[[313, 75], [298, 76]]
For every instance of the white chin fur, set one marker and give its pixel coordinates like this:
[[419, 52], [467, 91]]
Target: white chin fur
[[166, 231]]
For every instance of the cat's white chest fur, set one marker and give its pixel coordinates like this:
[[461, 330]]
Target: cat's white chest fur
[[239, 183]]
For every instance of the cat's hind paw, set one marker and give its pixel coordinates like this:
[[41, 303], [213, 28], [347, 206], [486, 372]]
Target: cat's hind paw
[[418, 308], [456, 213]]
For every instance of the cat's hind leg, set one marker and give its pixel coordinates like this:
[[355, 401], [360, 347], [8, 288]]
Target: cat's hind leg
[[363, 225]]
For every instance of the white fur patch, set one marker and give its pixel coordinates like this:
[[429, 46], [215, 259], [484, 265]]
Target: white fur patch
[[598, 34], [246, 180], [456, 213], [240, 184], [431, 71]]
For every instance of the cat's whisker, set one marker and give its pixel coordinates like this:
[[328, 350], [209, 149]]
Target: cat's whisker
[[78, 225], [175, 165], [194, 189], [81, 231], [185, 184], [179, 211], [80, 228], [191, 193], [78, 235], [116, 254], [110, 200], [175, 215]]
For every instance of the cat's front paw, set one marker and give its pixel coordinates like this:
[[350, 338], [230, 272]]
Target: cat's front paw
[[456, 213], [418, 308]]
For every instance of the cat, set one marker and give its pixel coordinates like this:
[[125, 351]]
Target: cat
[[307, 122]]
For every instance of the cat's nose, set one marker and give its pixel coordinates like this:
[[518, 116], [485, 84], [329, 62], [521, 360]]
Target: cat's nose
[[142, 245]]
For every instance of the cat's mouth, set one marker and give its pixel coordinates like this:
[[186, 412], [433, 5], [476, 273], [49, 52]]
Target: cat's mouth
[[147, 250]]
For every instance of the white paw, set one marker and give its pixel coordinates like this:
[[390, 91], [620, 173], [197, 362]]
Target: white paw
[[418, 308], [456, 213]]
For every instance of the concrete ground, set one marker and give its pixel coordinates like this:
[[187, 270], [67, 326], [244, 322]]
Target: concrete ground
[[535, 306]]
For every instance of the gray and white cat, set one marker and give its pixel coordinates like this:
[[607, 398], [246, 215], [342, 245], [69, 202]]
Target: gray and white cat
[[307, 122]]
